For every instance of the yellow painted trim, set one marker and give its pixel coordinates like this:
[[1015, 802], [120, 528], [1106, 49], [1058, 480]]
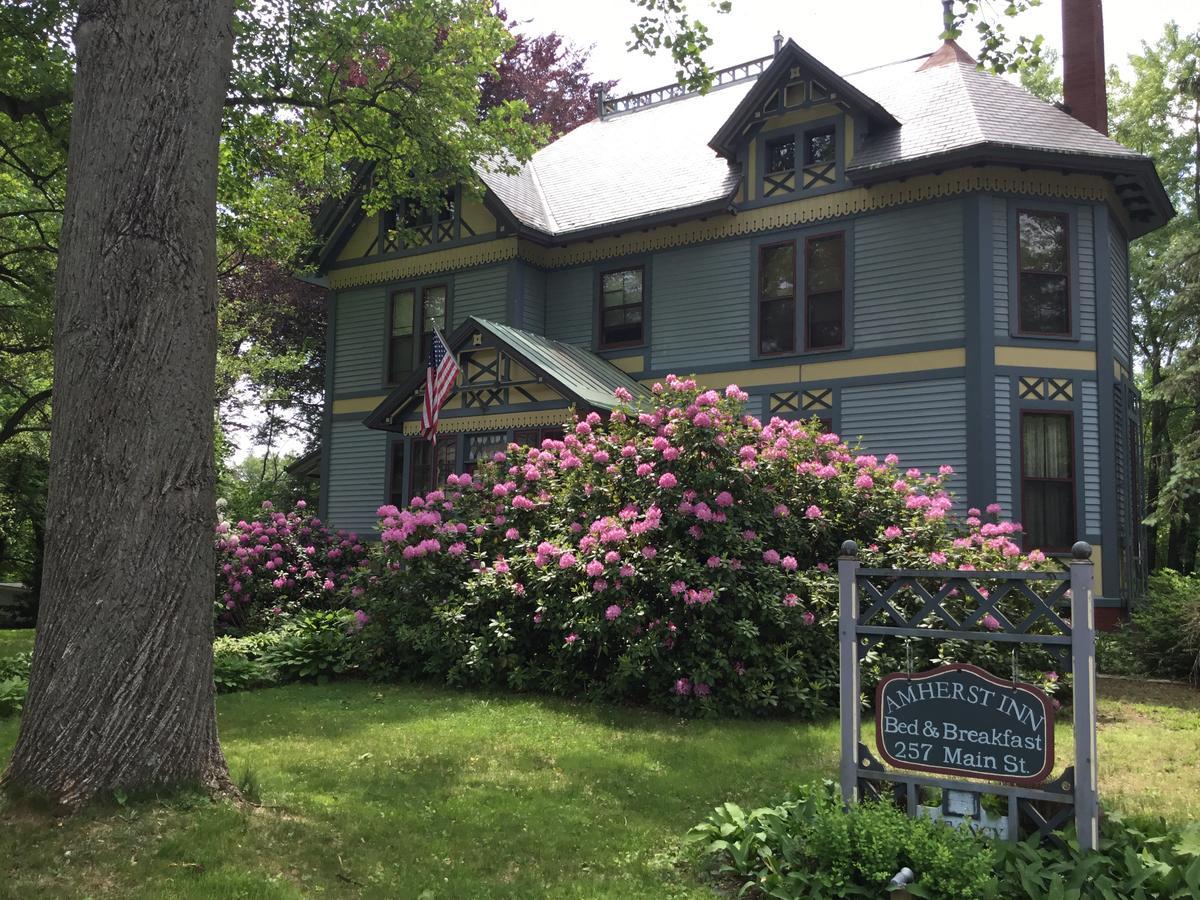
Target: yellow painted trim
[[800, 116], [804, 210], [892, 364], [356, 404], [362, 238], [1040, 358], [747, 377], [630, 363], [430, 263], [823, 207], [496, 421]]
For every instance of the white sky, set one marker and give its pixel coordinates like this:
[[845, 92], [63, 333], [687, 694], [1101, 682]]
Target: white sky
[[847, 36]]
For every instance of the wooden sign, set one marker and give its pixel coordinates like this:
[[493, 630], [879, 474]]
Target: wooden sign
[[961, 720]]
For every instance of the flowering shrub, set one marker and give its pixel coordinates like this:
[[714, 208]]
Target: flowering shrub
[[678, 555], [276, 564]]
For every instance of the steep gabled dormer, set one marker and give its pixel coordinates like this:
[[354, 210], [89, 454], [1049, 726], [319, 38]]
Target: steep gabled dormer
[[796, 130]]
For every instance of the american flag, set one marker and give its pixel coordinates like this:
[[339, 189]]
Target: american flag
[[440, 375]]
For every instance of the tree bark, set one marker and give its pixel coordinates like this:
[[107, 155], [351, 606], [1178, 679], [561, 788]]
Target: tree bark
[[121, 692]]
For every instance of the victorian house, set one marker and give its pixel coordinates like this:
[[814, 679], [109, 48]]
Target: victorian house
[[920, 254]]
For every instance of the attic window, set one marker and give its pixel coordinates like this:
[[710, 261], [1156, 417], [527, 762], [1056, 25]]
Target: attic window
[[819, 146], [781, 154]]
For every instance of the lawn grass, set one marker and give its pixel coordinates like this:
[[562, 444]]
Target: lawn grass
[[420, 792], [15, 640]]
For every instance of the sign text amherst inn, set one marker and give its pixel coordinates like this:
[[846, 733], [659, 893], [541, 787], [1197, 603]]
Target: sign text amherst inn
[[960, 720]]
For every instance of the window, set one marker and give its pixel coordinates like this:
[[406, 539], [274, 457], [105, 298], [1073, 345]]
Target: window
[[1047, 480], [824, 307], [433, 315], [820, 146], [533, 437], [781, 154], [422, 476], [777, 299], [396, 474], [400, 335], [1044, 305], [403, 315], [622, 308], [481, 447]]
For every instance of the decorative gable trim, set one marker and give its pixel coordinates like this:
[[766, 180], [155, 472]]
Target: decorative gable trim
[[822, 85]]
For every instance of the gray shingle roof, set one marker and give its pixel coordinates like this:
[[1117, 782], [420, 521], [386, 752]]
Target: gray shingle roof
[[626, 167], [638, 165], [956, 106]]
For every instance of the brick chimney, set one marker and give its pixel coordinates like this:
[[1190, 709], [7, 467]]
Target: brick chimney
[[1083, 63]]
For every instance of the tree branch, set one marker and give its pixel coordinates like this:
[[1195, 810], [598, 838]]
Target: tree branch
[[10, 428]]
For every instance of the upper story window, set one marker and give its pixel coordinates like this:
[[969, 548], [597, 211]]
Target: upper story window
[[622, 308], [428, 305], [824, 293], [1047, 480], [799, 161], [412, 224], [1044, 297], [777, 298]]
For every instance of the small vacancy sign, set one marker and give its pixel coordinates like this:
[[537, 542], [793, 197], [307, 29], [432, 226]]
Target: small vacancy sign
[[960, 720]]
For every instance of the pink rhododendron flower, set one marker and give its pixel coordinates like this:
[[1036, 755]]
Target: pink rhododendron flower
[[813, 512], [612, 612], [937, 558], [807, 617], [667, 481], [771, 557], [571, 638]]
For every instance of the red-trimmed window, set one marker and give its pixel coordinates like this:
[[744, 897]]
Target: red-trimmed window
[[481, 446], [1043, 262], [824, 292], [777, 298], [400, 335], [622, 308], [433, 315], [533, 437], [1047, 480], [421, 476]]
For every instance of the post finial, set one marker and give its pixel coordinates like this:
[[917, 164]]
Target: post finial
[[778, 42], [849, 549], [1081, 550], [947, 15]]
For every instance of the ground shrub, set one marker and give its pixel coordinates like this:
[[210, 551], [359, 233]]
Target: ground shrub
[[681, 555], [14, 683], [1141, 860], [276, 565], [810, 845], [1164, 630], [312, 645]]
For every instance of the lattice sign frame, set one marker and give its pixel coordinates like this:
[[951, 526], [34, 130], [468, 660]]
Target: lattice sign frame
[[1054, 611]]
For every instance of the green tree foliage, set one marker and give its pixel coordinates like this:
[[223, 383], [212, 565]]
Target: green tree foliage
[[1157, 112]]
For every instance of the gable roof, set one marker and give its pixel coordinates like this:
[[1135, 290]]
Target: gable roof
[[579, 375], [790, 56], [661, 161]]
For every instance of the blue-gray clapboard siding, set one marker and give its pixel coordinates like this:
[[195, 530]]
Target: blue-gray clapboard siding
[[1003, 443], [569, 305], [1090, 404], [533, 298], [908, 276], [358, 340], [1086, 257], [1000, 267], [922, 422], [480, 292], [700, 306], [1120, 296], [357, 469]]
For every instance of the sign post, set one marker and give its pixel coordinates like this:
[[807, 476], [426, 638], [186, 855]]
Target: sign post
[[956, 721], [1083, 656]]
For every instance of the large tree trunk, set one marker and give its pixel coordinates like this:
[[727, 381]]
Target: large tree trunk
[[121, 693]]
